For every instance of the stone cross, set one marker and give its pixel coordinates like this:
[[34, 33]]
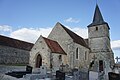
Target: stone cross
[[62, 66], [117, 58], [94, 58], [43, 70], [91, 64]]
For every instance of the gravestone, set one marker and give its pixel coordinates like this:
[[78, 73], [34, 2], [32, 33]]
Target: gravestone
[[79, 74], [67, 68], [69, 77], [29, 69], [54, 69], [60, 75], [93, 75], [43, 70], [117, 59], [113, 76], [36, 71], [62, 67], [76, 75]]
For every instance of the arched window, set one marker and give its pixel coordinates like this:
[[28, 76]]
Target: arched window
[[77, 52], [85, 55], [96, 28], [60, 57], [101, 65]]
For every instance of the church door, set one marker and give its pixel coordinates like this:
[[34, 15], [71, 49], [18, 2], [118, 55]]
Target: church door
[[38, 61]]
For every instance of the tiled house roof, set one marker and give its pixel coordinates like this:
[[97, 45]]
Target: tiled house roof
[[54, 46], [6, 41]]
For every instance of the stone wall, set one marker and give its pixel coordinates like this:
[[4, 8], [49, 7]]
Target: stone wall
[[66, 42], [83, 57], [41, 48], [99, 39], [10, 55], [98, 31], [57, 60]]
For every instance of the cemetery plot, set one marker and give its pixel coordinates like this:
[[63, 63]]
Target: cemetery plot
[[60, 75], [19, 74]]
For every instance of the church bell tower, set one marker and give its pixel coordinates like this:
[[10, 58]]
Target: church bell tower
[[98, 32], [99, 43]]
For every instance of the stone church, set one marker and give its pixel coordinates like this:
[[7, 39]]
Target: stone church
[[64, 47]]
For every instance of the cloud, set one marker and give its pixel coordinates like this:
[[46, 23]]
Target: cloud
[[115, 44], [30, 34], [72, 20], [5, 28], [83, 32]]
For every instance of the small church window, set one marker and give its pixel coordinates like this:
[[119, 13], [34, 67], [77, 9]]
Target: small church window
[[85, 55], [96, 28], [60, 57], [100, 65], [77, 51], [51, 66]]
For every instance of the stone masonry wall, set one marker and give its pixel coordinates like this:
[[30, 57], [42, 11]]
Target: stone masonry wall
[[62, 37], [10, 55], [41, 48], [83, 57]]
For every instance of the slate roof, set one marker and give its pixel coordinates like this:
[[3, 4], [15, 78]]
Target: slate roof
[[6, 41], [76, 38], [54, 46], [97, 19]]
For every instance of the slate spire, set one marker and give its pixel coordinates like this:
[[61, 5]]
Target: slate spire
[[97, 16], [97, 19]]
